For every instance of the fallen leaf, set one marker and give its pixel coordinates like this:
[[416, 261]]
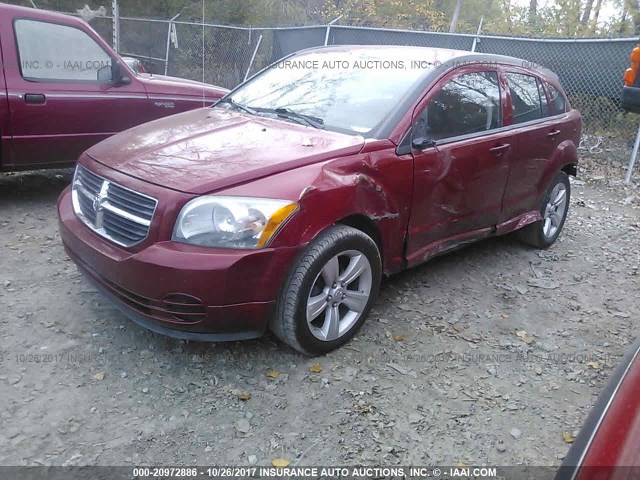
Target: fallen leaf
[[399, 338], [244, 396], [461, 464], [504, 315], [594, 365], [99, 376], [280, 462], [315, 368], [524, 336], [567, 437], [273, 374]]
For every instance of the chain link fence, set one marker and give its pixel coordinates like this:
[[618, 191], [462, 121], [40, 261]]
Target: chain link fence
[[589, 69]]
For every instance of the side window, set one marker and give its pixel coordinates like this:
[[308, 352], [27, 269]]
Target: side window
[[466, 104], [49, 51], [557, 100], [525, 97], [544, 104]]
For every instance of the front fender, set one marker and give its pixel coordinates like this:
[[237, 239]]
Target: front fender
[[376, 185]]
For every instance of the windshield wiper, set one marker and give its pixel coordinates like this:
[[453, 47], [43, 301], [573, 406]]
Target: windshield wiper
[[308, 120], [237, 105]]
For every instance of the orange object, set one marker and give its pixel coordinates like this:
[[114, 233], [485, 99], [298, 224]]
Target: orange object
[[631, 72]]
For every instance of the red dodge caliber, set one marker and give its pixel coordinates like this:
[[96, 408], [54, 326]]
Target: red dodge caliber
[[281, 206]]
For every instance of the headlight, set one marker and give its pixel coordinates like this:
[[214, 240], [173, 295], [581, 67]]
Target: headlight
[[231, 222]]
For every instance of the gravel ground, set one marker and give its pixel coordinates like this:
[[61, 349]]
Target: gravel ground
[[490, 355]]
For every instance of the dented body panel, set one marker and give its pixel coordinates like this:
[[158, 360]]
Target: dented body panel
[[415, 202]]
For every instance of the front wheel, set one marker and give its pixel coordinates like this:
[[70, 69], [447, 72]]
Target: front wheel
[[555, 205], [330, 291]]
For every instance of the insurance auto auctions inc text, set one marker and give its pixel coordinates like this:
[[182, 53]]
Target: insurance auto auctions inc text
[[379, 472]]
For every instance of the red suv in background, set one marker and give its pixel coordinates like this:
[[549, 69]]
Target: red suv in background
[[283, 205], [63, 89]]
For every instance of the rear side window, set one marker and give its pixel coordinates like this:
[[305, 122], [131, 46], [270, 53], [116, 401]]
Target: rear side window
[[525, 97], [50, 51], [557, 100], [467, 104], [544, 104]]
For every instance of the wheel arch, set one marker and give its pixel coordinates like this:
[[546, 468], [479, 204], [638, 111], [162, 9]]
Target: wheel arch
[[570, 169], [366, 225], [564, 159]]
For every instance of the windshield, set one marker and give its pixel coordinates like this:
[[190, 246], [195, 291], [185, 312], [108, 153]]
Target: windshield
[[350, 91]]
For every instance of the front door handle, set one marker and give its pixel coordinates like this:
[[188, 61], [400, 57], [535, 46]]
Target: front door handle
[[553, 133], [500, 149], [34, 98]]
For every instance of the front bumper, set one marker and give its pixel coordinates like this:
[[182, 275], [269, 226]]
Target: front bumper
[[180, 290]]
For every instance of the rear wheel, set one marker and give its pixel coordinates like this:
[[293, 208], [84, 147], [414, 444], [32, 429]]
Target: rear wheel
[[330, 291], [554, 209]]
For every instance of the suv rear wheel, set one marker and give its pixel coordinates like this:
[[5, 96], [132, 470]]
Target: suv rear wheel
[[555, 205]]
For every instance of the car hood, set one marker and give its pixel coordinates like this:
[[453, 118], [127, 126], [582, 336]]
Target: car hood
[[163, 84], [211, 148]]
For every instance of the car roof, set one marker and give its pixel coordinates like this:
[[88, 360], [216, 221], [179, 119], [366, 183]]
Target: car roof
[[36, 13], [442, 60], [455, 58]]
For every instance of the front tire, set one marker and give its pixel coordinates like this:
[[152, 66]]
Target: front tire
[[329, 292], [554, 209]]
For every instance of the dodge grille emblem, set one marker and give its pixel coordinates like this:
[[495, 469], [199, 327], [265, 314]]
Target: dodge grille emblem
[[97, 202]]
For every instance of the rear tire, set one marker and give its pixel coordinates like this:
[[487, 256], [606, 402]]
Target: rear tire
[[554, 209], [329, 292]]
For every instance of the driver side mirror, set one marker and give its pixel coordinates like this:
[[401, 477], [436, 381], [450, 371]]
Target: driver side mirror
[[421, 143], [113, 75], [105, 75]]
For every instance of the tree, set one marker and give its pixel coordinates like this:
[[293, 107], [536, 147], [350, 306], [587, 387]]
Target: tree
[[412, 14], [456, 16], [586, 13], [533, 11]]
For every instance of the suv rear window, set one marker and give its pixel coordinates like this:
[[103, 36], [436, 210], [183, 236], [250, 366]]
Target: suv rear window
[[557, 100], [525, 97], [544, 103]]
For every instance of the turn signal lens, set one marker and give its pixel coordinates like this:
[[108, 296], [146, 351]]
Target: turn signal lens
[[274, 223]]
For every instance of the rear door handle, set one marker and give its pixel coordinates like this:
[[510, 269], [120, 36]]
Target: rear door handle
[[553, 133], [500, 149], [34, 98]]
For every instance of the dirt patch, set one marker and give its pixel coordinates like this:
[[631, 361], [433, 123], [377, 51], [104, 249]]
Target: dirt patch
[[484, 356]]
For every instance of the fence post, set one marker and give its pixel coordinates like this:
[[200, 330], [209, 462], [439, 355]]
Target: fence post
[[632, 161], [253, 57], [477, 37], [166, 57], [326, 37], [116, 25]]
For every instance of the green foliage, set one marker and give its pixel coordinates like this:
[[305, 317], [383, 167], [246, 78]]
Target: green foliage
[[559, 18], [409, 14]]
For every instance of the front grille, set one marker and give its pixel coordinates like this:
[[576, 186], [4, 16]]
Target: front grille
[[111, 210]]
